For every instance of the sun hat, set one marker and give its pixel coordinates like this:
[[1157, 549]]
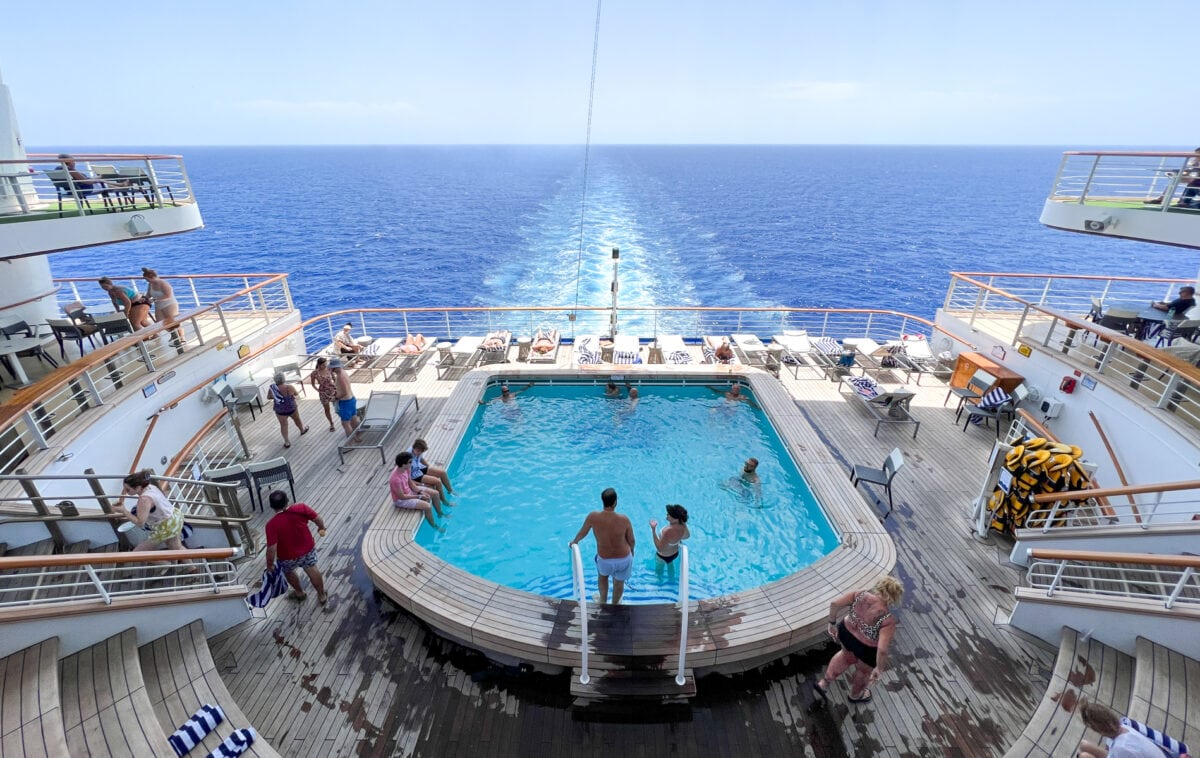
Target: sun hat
[[335, 363]]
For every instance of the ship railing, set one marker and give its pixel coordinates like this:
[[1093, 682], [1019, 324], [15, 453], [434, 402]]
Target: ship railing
[[90, 507], [643, 322], [978, 295], [680, 677], [581, 596], [116, 183], [1169, 580], [1124, 179], [1121, 361], [38, 412], [1107, 508], [47, 580]]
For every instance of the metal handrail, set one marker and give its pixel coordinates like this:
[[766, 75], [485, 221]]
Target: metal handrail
[[581, 594], [1134, 576], [680, 679]]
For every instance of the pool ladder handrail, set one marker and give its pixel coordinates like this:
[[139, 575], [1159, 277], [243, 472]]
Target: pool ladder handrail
[[581, 595], [680, 679]]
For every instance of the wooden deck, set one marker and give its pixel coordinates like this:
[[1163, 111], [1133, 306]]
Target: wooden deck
[[362, 676]]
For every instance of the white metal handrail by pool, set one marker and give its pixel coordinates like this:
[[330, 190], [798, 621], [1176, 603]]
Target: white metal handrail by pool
[[680, 679], [581, 594]]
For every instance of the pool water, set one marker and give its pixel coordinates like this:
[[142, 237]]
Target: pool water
[[528, 471]]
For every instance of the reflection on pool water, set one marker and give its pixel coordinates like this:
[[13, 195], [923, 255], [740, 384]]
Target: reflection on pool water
[[529, 471]]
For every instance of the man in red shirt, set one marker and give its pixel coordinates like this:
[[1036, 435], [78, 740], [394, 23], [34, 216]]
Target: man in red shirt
[[290, 541]]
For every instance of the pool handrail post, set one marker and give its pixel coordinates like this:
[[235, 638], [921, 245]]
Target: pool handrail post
[[581, 593], [680, 679]]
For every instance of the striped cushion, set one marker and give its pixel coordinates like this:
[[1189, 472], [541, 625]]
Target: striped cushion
[[828, 345]]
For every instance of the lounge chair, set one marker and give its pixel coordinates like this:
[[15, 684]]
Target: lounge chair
[[546, 356], [751, 349], [462, 354], [920, 358], [494, 348], [673, 349], [626, 349], [587, 350], [380, 416], [888, 405], [833, 359], [878, 358], [797, 352], [710, 352]]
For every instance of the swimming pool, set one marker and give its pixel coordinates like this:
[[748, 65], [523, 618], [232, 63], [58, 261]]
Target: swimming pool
[[529, 471]]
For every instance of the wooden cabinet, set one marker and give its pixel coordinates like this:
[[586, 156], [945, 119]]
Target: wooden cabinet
[[968, 363]]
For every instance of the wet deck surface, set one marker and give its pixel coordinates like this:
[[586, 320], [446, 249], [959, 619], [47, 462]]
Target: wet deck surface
[[360, 677]]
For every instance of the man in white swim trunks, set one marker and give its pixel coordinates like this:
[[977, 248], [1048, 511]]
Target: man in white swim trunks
[[614, 544]]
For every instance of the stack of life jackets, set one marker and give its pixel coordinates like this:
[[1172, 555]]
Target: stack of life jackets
[[1037, 466]]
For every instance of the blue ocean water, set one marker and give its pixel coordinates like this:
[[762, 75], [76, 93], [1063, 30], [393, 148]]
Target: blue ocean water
[[834, 226]]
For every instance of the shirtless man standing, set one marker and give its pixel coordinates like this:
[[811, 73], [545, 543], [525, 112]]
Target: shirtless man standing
[[614, 544], [347, 404]]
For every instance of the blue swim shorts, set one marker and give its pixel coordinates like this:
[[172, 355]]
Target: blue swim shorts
[[347, 408], [617, 568]]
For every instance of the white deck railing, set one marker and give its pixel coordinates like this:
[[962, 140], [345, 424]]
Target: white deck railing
[[115, 183], [581, 596], [109, 576], [1170, 580], [680, 679], [1118, 177]]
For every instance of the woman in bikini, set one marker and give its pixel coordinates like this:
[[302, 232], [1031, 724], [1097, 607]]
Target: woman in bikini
[[413, 344], [666, 543], [323, 382], [865, 634]]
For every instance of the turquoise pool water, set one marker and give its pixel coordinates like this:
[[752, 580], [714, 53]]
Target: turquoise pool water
[[529, 471]]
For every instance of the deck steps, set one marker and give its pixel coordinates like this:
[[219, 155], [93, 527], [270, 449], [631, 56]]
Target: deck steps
[[1166, 692], [649, 695], [106, 709], [181, 676], [31, 722]]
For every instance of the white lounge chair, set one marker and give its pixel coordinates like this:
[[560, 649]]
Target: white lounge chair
[[673, 349], [920, 358], [380, 416], [708, 348], [547, 356], [462, 354], [888, 405], [752, 349], [626, 349], [494, 348], [873, 356], [797, 352]]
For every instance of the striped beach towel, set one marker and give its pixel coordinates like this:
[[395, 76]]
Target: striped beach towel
[[235, 744], [274, 584], [194, 729]]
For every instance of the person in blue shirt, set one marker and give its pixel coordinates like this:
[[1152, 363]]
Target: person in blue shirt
[[431, 476]]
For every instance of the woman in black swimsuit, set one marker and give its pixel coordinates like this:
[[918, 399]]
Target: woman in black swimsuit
[[676, 530], [865, 634]]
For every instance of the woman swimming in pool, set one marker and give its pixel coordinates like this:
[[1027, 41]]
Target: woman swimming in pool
[[666, 543]]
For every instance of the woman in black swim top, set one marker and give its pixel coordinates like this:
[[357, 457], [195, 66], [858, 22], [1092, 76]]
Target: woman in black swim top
[[865, 634], [667, 543]]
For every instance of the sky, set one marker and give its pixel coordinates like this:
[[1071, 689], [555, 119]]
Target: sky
[[264, 72]]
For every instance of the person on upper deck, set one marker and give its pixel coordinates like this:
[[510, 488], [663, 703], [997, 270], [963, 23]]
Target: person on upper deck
[[81, 180], [1180, 305], [1191, 172]]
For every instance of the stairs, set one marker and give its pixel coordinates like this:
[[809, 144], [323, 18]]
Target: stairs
[[113, 698], [1151, 687], [620, 693]]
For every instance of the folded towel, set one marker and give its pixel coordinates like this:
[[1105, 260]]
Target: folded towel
[[194, 729], [235, 744]]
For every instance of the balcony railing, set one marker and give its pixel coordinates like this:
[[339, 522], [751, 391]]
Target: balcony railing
[[249, 304], [1125, 179], [38, 187], [1049, 313]]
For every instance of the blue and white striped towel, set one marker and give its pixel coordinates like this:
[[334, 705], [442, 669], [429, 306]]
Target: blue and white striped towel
[[586, 353], [194, 729], [828, 345], [274, 584], [679, 356], [993, 398], [864, 386], [1169, 745], [235, 744]]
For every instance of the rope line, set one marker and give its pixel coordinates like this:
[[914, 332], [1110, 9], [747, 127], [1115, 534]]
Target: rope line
[[587, 149]]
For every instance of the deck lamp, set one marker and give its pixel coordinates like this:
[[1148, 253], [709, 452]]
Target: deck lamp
[[137, 226]]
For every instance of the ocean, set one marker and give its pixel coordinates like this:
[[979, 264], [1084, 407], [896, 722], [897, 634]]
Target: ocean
[[819, 226]]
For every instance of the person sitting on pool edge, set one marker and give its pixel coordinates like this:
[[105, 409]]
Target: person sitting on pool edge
[[666, 543]]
